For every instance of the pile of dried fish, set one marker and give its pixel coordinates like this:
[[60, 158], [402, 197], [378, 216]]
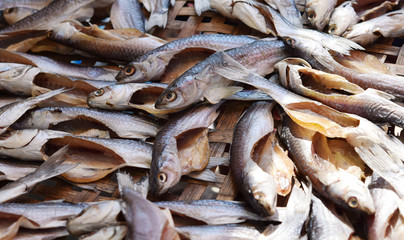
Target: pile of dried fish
[[310, 155]]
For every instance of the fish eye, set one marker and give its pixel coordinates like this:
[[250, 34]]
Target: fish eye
[[5, 135], [99, 92], [50, 34], [9, 10], [289, 41], [311, 15], [353, 202], [258, 195], [162, 177], [332, 28], [171, 96], [129, 70]]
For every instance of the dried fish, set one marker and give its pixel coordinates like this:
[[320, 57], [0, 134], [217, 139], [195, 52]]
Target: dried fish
[[342, 18], [181, 147], [123, 50], [325, 223], [117, 124], [13, 111], [257, 186], [206, 232], [288, 10], [201, 82], [110, 233], [34, 4], [12, 15], [216, 212], [319, 12], [158, 13], [51, 168], [17, 78], [145, 220], [56, 12], [49, 65], [386, 25], [335, 91], [10, 169], [43, 215], [127, 14], [152, 65]]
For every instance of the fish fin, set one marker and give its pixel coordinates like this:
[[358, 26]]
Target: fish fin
[[341, 45], [146, 4], [215, 94], [193, 148], [251, 16], [125, 180], [157, 19], [172, 3], [216, 161], [207, 175], [372, 92], [202, 6], [48, 95], [232, 70]]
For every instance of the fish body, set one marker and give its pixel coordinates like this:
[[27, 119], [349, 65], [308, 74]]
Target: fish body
[[199, 81], [46, 64], [126, 50], [288, 9], [371, 104], [257, 186], [34, 4], [175, 155], [152, 65], [337, 185], [386, 25], [13, 111], [57, 11], [127, 14], [121, 124], [12, 15], [13, 170], [207, 232], [51, 168], [45, 214], [214, 212], [17, 78], [319, 12]]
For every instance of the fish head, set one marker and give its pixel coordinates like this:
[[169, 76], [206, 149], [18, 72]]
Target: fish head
[[352, 193], [177, 96], [341, 18], [133, 72], [105, 97], [165, 176], [61, 31], [317, 12]]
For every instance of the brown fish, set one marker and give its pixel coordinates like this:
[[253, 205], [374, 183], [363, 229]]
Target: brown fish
[[181, 146], [126, 50]]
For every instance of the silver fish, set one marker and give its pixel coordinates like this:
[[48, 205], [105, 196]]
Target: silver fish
[[257, 186], [225, 232], [17, 78], [386, 25], [13, 111], [120, 124], [180, 147], [51, 168], [216, 212], [127, 14], [152, 65], [43, 215], [10, 169], [49, 65], [57, 11], [201, 82]]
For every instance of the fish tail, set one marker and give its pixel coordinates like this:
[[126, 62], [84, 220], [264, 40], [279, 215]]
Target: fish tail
[[202, 6], [157, 19], [48, 95]]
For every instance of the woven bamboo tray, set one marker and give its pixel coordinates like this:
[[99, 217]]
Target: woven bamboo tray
[[183, 22]]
